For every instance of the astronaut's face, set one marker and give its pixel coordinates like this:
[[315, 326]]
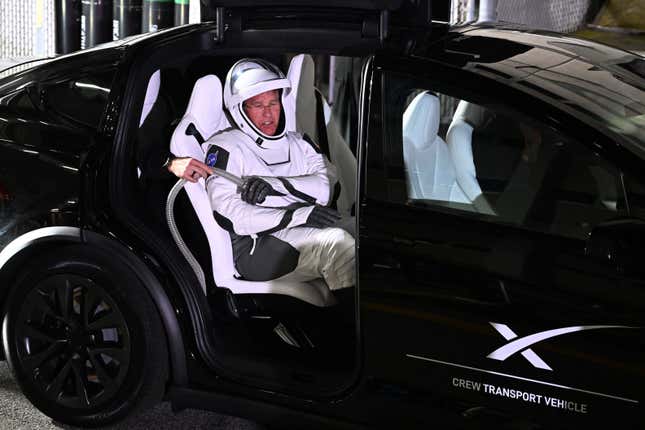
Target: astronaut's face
[[264, 111]]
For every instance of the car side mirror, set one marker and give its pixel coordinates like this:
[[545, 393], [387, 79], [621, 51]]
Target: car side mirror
[[618, 242]]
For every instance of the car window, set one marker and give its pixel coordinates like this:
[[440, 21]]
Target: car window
[[80, 100], [21, 101], [487, 161]]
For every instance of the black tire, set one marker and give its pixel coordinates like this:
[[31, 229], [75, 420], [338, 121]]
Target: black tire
[[84, 339]]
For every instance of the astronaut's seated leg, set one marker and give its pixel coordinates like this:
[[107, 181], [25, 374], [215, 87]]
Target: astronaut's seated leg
[[298, 254]]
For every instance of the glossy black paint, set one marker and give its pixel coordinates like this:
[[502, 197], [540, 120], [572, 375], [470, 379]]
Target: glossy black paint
[[433, 282], [430, 282], [29, 144]]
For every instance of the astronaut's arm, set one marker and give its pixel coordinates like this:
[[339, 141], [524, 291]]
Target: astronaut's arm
[[246, 219], [235, 215], [316, 187]]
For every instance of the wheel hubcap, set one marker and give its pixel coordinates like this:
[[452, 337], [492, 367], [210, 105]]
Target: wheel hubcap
[[73, 341]]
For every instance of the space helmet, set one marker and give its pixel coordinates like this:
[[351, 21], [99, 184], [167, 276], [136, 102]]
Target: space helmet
[[248, 78]]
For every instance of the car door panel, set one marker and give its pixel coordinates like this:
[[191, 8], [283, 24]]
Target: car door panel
[[495, 314]]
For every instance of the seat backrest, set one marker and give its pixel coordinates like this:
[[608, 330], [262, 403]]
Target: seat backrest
[[300, 102], [203, 118], [152, 92], [301, 108], [429, 168], [459, 139]]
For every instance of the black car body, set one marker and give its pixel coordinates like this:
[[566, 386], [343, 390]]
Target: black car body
[[532, 314]]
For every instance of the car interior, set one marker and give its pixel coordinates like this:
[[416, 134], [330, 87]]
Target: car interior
[[286, 331], [528, 174]]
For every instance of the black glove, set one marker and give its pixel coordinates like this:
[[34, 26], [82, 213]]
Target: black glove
[[255, 190], [322, 217]]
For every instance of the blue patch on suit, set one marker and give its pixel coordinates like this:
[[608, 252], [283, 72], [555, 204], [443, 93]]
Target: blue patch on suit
[[211, 159], [217, 157]]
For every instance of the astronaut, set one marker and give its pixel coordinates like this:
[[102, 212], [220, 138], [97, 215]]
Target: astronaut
[[278, 219]]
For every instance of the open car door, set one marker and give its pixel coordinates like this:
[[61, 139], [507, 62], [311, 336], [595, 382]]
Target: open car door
[[356, 24]]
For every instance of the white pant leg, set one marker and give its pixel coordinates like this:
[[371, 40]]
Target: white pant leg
[[327, 253]]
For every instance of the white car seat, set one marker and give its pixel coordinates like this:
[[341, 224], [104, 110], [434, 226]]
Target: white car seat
[[205, 115], [152, 92], [301, 105], [428, 162], [459, 138]]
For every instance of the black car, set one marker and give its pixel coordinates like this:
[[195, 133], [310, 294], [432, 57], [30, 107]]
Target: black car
[[496, 176]]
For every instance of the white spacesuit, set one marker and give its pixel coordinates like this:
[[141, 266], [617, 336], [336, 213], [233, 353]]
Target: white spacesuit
[[278, 221]]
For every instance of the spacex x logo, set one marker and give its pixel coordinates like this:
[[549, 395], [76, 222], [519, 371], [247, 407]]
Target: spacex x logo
[[523, 344]]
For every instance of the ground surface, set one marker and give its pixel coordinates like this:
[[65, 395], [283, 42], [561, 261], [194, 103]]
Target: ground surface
[[16, 413]]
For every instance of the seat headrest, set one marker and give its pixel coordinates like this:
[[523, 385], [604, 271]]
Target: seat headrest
[[470, 113], [152, 92], [300, 103], [205, 106], [421, 120]]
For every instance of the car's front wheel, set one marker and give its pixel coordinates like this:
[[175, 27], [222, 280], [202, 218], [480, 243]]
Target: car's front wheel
[[84, 339]]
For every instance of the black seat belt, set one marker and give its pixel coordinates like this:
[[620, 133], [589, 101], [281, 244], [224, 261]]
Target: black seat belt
[[191, 130]]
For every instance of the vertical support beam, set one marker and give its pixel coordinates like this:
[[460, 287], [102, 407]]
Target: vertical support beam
[[487, 11], [454, 11], [68, 26], [471, 14], [157, 15], [194, 13], [181, 12], [96, 22], [126, 18], [332, 78]]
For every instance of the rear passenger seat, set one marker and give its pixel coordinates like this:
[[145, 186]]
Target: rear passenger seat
[[309, 111]]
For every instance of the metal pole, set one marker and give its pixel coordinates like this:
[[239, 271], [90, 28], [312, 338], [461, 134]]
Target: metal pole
[[68, 26], [126, 18], [194, 15], [96, 22], [157, 15], [487, 11], [181, 12], [471, 15]]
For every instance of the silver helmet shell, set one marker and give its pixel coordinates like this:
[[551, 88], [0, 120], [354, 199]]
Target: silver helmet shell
[[248, 78]]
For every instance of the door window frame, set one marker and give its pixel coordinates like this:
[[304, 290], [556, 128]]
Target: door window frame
[[462, 84]]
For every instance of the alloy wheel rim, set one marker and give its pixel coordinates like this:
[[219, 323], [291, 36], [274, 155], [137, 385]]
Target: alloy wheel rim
[[73, 341]]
